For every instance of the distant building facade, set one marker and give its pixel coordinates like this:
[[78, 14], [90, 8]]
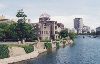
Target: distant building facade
[[78, 24], [4, 20], [48, 29], [86, 29], [98, 30], [2, 17]]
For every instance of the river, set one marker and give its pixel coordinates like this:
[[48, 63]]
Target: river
[[85, 51]]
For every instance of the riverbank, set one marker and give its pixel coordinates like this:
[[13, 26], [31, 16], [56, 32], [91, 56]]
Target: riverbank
[[19, 58], [85, 51], [39, 50]]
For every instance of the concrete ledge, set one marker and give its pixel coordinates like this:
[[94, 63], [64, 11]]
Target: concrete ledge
[[19, 58]]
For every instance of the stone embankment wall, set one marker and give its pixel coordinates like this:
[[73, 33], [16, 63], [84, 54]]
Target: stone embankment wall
[[16, 51], [19, 58], [40, 47], [19, 54]]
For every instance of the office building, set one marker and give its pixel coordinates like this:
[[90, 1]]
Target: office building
[[78, 24]]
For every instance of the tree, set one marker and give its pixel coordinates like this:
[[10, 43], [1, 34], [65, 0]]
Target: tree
[[13, 31], [21, 31], [72, 35], [24, 30], [4, 31], [63, 33]]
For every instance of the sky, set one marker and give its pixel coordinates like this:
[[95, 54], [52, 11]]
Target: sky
[[63, 11]]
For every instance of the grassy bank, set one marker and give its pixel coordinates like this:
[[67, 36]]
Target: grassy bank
[[4, 51]]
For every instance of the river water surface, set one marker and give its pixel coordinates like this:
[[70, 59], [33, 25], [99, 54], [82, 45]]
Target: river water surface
[[85, 51]]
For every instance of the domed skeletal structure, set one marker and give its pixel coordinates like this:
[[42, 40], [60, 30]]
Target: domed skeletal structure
[[44, 15]]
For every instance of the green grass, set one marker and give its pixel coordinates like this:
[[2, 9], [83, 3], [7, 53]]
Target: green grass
[[4, 52]]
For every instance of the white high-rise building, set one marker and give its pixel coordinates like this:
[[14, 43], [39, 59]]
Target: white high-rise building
[[78, 24]]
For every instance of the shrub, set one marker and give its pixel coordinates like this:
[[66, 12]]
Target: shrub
[[28, 48], [48, 45], [72, 35], [4, 52], [57, 44]]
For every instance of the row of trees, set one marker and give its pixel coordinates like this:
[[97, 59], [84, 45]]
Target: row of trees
[[13, 32], [64, 33], [17, 31]]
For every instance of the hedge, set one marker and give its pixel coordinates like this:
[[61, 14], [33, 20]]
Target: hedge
[[57, 45], [48, 45], [28, 48], [4, 52]]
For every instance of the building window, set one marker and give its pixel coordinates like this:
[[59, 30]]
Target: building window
[[51, 32], [45, 27], [44, 24], [55, 27], [55, 22], [56, 32], [42, 32], [46, 32], [56, 37]]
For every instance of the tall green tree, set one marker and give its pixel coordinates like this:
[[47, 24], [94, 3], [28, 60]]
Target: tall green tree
[[21, 31], [24, 30], [63, 33], [72, 35]]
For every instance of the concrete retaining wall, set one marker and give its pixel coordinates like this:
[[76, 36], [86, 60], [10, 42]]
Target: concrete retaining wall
[[19, 58], [38, 48], [16, 51]]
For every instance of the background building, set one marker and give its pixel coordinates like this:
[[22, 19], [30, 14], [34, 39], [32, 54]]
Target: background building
[[98, 31], [5, 20], [86, 29], [78, 24], [2, 17]]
